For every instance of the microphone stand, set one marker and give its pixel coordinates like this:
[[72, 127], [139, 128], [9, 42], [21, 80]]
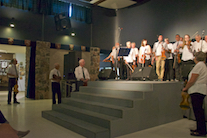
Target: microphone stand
[[202, 39]]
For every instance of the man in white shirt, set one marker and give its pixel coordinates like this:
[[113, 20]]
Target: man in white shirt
[[160, 63], [169, 60], [205, 45], [13, 74], [129, 60], [116, 60], [55, 78], [81, 75], [198, 44], [176, 51], [135, 53]]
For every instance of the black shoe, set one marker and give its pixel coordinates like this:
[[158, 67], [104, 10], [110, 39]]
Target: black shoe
[[9, 103], [16, 102], [197, 134]]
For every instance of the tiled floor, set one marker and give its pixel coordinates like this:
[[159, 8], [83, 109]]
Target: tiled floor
[[27, 115]]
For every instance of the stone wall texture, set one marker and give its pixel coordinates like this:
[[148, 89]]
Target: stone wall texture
[[42, 70], [95, 63]]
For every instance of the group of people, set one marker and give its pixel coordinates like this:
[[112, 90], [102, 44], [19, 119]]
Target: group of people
[[168, 59]]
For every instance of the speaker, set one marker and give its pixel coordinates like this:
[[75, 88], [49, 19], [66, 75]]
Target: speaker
[[62, 21], [147, 72], [105, 74]]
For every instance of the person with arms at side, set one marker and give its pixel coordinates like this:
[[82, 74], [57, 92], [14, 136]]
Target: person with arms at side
[[116, 60], [177, 57], [129, 61], [196, 88], [135, 54], [197, 45], [81, 74], [144, 52], [13, 74], [169, 60], [6, 131], [55, 78], [158, 48], [187, 56]]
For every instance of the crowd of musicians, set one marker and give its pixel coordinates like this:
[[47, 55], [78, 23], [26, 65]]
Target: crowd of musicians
[[168, 59]]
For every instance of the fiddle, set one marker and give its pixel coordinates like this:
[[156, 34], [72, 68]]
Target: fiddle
[[16, 88], [163, 56], [185, 104]]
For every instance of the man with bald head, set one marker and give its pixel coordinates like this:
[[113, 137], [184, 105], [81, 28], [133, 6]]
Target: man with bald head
[[81, 74], [55, 78], [13, 75]]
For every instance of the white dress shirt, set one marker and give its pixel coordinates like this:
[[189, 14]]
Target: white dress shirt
[[175, 45], [200, 84], [11, 70], [197, 46], [144, 50], [135, 53], [157, 48], [204, 49], [54, 72], [187, 54], [115, 53], [169, 47], [130, 57], [79, 73]]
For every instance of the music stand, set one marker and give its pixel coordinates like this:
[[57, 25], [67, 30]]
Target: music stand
[[123, 51]]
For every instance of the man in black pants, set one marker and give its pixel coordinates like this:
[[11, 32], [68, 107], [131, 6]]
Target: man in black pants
[[55, 78], [13, 78]]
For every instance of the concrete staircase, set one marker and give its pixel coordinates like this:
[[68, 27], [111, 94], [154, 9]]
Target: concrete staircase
[[106, 109]]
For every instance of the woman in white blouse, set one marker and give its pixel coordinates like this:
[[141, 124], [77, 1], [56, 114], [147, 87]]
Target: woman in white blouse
[[196, 87], [144, 54], [187, 55]]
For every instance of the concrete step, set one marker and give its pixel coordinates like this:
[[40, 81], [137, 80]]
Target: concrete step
[[112, 92], [81, 127], [104, 98], [124, 85], [111, 110], [85, 115]]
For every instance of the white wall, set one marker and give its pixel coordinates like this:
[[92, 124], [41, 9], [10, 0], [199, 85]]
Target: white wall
[[21, 57]]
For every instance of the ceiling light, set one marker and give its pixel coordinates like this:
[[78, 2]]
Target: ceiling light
[[72, 34]]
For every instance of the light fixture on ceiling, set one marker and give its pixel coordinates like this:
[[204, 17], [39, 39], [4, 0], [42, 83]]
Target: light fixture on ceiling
[[73, 34], [12, 23]]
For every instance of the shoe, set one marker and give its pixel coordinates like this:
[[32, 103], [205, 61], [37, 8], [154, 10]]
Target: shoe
[[197, 134], [21, 134], [16, 102], [176, 80], [171, 80], [167, 80], [9, 103], [191, 130]]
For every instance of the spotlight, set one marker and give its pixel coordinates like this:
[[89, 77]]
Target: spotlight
[[72, 34], [12, 25]]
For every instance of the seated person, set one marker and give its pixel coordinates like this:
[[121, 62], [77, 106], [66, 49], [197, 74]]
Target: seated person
[[81, 75]]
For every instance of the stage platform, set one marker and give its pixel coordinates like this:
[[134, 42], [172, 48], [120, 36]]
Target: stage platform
[[107, 109]]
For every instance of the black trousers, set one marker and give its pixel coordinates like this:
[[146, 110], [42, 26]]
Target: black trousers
[[12, 82], [2, 118], [56, 89], [129, 72], [78, 84], [184, 63], [197, 103], [146, 64], [169, 68]]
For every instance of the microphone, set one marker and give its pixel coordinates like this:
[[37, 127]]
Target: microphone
[[203, 32]]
